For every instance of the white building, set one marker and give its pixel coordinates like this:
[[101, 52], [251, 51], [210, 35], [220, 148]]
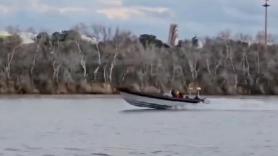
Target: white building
[[4, 34], [173, 39]]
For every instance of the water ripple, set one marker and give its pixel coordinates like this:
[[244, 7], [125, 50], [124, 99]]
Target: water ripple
[[101, 154]]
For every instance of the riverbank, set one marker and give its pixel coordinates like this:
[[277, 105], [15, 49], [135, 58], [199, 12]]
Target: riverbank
[[114, 96], [59, 96], [51, 88], [13, 89]]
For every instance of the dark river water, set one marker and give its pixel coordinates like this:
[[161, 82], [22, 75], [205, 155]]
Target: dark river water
[[107, 126]]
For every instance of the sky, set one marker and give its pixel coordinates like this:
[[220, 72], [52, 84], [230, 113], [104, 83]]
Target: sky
[[194, 17]]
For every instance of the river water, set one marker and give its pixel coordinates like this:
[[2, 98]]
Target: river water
[[107, 126]]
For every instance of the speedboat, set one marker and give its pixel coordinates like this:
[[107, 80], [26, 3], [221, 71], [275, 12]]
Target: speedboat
[[156, 101]]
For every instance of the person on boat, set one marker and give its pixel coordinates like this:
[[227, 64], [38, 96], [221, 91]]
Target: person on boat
[[177, 94], [174, 93], [197, 97], [180, 95]]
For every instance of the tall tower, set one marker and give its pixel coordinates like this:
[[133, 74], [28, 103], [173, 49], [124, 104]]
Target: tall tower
[[266, 5], [173, 35]]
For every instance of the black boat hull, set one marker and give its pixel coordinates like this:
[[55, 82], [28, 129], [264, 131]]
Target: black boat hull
[[155, 101]]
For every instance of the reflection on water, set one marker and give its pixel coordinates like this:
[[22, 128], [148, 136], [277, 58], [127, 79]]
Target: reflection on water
[[134, 111], [150, 110], [110, 127]]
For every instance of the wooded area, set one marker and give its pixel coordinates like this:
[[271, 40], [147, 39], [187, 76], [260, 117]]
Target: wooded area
[[67, 62]]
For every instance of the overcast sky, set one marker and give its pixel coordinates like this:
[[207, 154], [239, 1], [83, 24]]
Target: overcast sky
[[200, 17]]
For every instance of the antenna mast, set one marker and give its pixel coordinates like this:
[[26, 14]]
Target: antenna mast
[[266, 5]]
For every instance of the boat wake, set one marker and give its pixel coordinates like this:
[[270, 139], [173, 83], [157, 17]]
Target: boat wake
[[235, 104]]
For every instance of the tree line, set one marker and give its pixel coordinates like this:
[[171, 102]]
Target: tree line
[[98, 59]]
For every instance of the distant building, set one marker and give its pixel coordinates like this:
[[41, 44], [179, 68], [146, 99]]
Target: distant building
[[184, 43], [89, 39], [196, 42], [26, 37], [4, 34], [173, 35]]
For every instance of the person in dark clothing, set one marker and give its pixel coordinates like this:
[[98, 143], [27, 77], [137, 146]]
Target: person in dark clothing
[[180, 95], [173, 93], [197, 97]]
